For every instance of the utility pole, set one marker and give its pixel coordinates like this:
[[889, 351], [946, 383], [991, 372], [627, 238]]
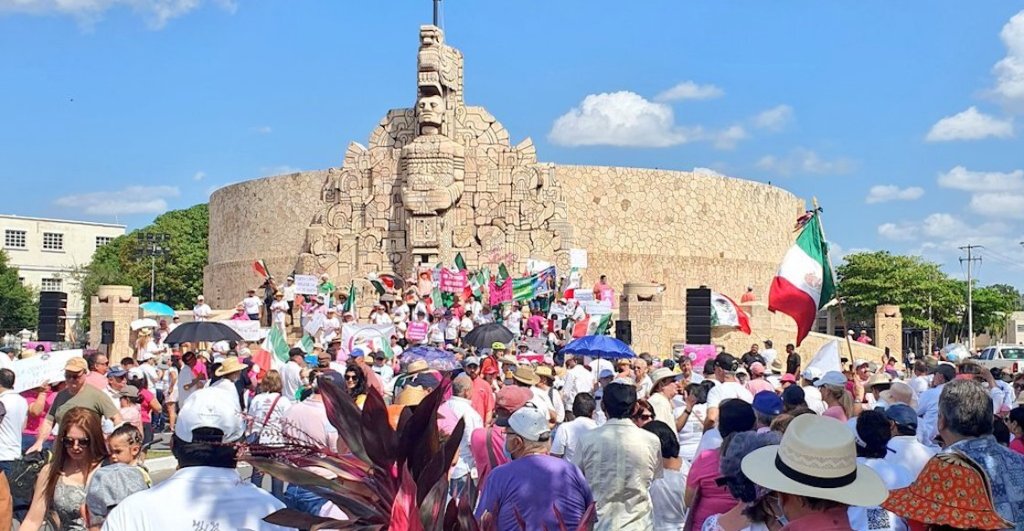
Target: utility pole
[[437, 9], [970, 292]]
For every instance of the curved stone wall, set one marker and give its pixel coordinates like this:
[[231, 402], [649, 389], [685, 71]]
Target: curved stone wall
[[679, 228]]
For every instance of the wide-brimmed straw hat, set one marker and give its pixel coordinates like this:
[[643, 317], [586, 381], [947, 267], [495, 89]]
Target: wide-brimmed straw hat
[[817, 459], [229, 366], [416, 366], [525, 374], [951, 491]]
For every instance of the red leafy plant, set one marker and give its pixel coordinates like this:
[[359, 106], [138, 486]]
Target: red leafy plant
[[385, 478]]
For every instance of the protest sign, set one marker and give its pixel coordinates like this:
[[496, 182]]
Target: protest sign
[[305, 284], [699, 354], [416, 331], [31, 372], [249, 330], [314, 325], [454, 281], [368, 338], [578, 258]]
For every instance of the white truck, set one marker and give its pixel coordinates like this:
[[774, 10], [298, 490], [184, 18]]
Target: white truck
[[1009, 358]]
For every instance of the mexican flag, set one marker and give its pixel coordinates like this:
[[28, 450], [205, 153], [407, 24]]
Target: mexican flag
[[725, 312], [804, 283], [350, 301], [460, 262], [260, 268], [592, 325], [277, 346]]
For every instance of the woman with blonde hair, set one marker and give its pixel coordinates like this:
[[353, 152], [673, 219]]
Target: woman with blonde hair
[[60, 489], [833, 392], [266, 410]]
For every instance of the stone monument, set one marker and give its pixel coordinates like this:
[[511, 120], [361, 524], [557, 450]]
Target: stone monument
[[117, 304], [641, 303], [889, 329]]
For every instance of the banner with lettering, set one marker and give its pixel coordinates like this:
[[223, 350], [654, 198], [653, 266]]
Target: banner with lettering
[[416, 331], [306, 284], [454, 281], [48, 367], [501, 294]]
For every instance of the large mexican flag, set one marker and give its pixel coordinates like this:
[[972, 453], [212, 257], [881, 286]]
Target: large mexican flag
[[804, 283]]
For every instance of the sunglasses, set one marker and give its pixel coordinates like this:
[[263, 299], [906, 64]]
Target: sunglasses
[[350, 378], [644, 417], [73, 375], [72, 442]]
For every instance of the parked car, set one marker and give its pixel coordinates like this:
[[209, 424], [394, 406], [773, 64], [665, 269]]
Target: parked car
[[1010, 358]]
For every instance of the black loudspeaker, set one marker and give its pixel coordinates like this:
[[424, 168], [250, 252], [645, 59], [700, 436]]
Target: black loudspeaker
[[624, 331], [107, 332], [52, 311], [698, 316]]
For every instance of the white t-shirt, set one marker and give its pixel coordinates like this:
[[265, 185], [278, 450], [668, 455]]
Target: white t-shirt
[[726, 390], [330, 329], [466, 325], [812, 395], [291, 378], [216, 498], [382, 318], [289, 293], [876, 518], [567, 436], [908, 452], [151, 373], [252, 305], [185, 377], [693, 430], [201, 312], [12, 425], [769, 355], [258, 408], [669, 512], [514, 322], [928, 416], [280, 310]]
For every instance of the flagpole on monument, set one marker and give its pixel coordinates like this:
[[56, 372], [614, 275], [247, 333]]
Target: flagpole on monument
[[828, 258]]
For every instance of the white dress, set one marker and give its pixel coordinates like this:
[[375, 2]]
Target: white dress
[[667, 498]]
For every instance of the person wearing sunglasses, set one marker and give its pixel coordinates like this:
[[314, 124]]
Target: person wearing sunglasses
[[644, 413], [60, 489], [75, 394], [355, 383]]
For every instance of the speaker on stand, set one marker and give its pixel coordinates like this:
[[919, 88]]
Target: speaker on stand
[[624, 331], [698, 316], [52, 314]]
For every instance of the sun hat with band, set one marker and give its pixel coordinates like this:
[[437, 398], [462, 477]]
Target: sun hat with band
[[817, 459], [229, 366], [526, 375], [663, 373], [951, 491]]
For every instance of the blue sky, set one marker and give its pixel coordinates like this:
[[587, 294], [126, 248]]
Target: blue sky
[[905, 119]]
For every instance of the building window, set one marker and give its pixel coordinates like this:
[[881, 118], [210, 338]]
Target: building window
[[103, 240], [1020, 328], [53, 241], [14, 239], [52, 284]]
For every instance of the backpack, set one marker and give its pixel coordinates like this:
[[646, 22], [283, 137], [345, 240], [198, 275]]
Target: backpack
[[24, 472]]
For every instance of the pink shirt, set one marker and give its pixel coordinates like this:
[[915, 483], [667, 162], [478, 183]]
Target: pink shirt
[[147, 411], [97, 380], [1017, 446], [711, 498], [478, 447], [835, 412], [132, 415], [756, 385], [32, 422]]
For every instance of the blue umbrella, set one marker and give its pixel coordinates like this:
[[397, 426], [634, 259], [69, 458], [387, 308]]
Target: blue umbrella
[[599, 347], [156, 308], [437, 359]]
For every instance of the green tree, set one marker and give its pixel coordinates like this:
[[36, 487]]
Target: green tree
[[1011, 293], [992, 306], [869, 279], [179, 274], [18, 306]]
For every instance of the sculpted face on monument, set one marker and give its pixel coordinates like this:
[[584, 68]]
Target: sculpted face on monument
[[430, 114]]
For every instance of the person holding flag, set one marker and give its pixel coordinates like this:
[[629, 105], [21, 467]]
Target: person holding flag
[[804, 283]]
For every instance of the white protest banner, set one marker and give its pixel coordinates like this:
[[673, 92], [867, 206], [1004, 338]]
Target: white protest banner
[[249, 330], [578, 258], [31, 372], [315, 324], [367, 337], [306, 284], [597, 307], [827, 358], [536, 266]]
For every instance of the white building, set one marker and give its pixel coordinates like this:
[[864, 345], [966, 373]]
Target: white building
[[47, 253]]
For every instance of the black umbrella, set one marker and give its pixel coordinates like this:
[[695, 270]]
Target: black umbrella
[[483, 336], [199, 331]]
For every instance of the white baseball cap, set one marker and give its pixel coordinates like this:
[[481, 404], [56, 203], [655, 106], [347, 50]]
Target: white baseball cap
[[206, 408], [530, 423], [811, 373]]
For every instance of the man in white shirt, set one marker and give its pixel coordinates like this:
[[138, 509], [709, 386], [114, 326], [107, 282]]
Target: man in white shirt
[[812, 395], [928, 405], [921, 380], [643, 381], [568, 434], [187, 381], [206, 482], [201, 311], [474, 306], [253, 305], [288, 289], [461, 406], [728, 387], [904, 448], [12, 421], [578, 379], [291, 373], [769, 353], [330, 326], [383, 370], [514, 321]]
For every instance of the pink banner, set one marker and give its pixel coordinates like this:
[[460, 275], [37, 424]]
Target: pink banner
[[417, 331], [700, 354], [454, 281], [502, 294]]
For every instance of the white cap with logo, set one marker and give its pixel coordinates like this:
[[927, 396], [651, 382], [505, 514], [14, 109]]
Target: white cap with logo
[[530, 423], [207, 408]]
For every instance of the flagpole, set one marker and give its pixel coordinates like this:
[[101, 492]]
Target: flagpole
[[839, 300]]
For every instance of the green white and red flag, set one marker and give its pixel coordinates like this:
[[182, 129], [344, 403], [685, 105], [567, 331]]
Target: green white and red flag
[[725, 312], [804, 283], [260, 268]]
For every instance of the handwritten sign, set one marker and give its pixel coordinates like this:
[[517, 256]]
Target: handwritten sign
[[578, 258], [306, 284], [49, 367], [249, 330]]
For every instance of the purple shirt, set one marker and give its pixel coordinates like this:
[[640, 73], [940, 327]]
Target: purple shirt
[[515, 486]]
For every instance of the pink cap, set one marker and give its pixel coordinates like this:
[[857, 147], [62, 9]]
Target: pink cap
[[757, 368], [788, 378]]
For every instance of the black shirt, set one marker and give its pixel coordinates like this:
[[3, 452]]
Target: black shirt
[[792, 363]]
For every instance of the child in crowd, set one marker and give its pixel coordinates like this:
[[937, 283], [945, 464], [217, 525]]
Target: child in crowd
[[131, 406], [125, 476]]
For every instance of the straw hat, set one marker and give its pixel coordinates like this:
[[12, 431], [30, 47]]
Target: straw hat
[[777, 365], [508, 359], [881, 378], [545, 372], [663, 373], [817, 459], [411, 396], [230, 365], [417, 366], [952, 491], [525, 374]]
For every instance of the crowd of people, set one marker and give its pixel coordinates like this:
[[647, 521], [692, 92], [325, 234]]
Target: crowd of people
[[752, 441]]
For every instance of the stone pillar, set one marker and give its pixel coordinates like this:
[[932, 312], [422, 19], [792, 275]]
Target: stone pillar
[[889, 329], [113, 303], [641, 304]]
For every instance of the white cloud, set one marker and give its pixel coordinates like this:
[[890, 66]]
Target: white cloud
[[199, 175], [960, 178], [774, 119], [1009, 71], [998, 205], [728, 138], [900, 232], [969, 125], [263, 130], [890, 192], [942, 231], [803, 160], [620, 119], [156, 12], [708, 171], [129, 200], [688, 90]]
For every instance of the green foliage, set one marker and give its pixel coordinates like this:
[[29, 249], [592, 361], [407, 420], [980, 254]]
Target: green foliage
[[869, 279], [179, 274], [992, 306], [18, 306]]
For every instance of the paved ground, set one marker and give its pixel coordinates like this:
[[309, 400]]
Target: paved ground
[[161, 468]]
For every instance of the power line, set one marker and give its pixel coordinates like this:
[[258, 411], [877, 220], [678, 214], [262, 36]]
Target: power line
[[970, 259]]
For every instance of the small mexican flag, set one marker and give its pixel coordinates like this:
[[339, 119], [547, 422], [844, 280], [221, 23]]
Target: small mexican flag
[[460, 262], [260, 268], [804, 283], [277, 346], [725, 312], [350, 301]]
